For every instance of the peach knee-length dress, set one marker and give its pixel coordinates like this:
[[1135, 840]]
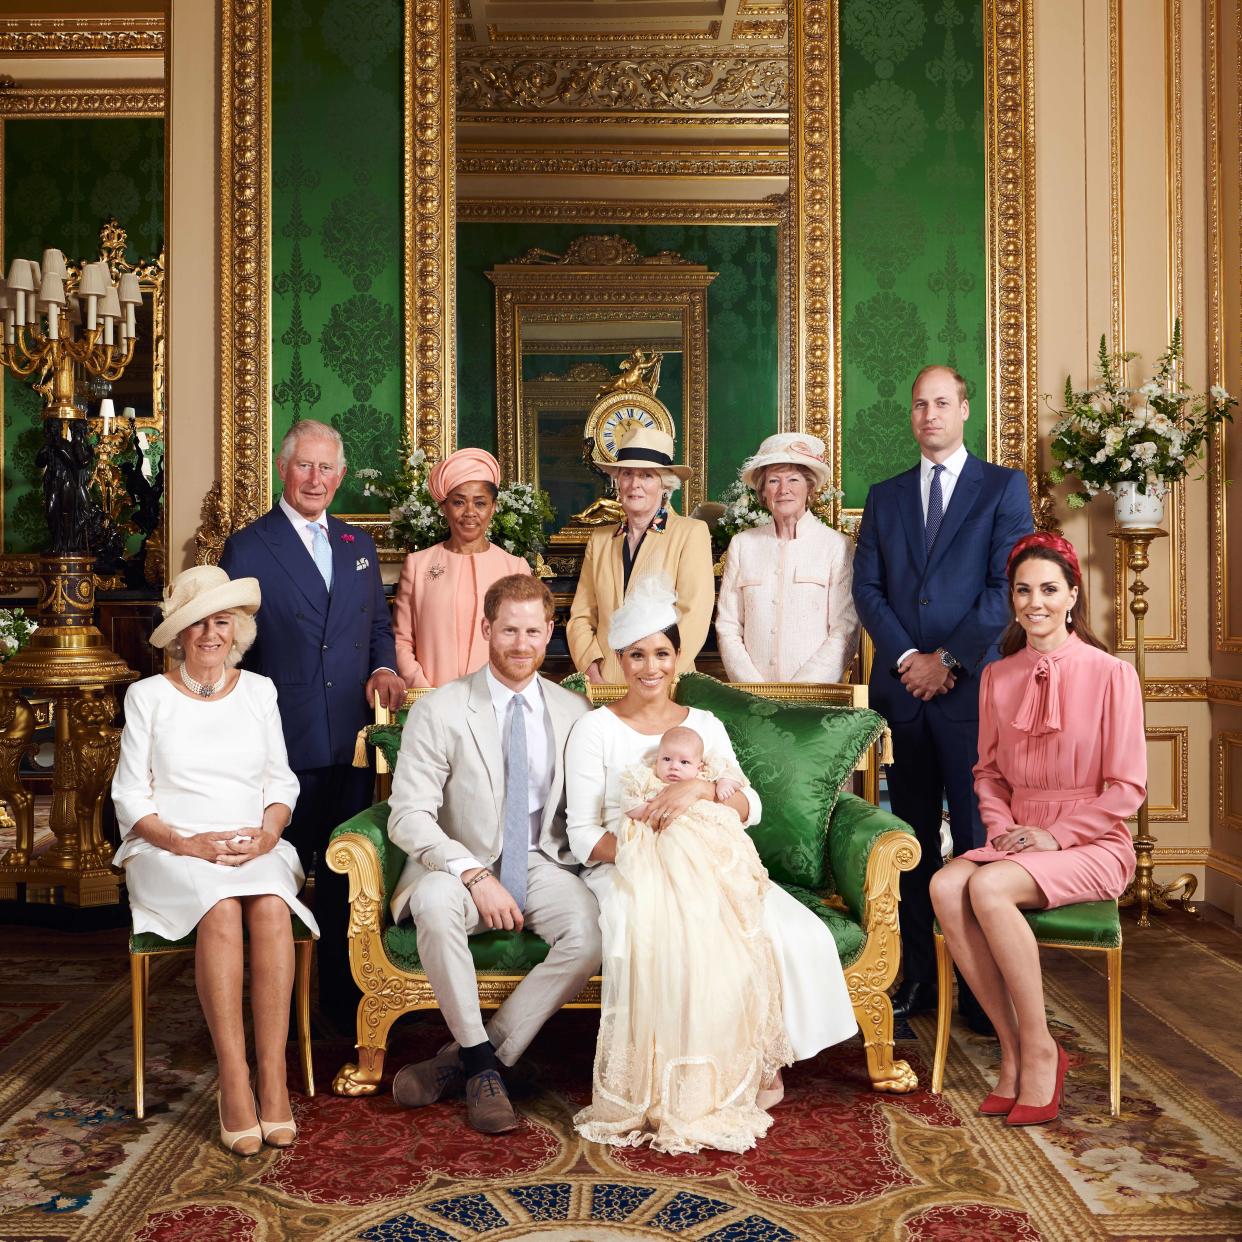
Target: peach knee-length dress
[[1061, 747]]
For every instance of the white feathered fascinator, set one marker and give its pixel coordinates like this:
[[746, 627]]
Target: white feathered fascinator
[[650, 606]]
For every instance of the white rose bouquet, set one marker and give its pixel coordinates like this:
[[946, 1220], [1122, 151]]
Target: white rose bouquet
[[1152, 435], [15, 631]]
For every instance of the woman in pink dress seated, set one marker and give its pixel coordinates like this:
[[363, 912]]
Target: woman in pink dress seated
[[439, 601], [1062, 764]]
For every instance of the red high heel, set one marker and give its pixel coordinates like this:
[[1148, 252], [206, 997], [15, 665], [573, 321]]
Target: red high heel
[[997, 1105], [1026, 1115]]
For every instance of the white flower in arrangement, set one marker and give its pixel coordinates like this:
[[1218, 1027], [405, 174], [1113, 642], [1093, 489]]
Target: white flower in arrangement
[[1099, 458], [367, 472], [1219, 394], [1151, 389], [416, 458]]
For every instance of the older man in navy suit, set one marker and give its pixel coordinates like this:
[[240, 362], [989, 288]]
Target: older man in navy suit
[[325, 639], [930, 587]]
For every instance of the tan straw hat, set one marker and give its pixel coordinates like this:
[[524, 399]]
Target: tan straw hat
[[788, 448], [199, 592], [645, 448]]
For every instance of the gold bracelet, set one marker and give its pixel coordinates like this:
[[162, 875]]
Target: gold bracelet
[[474, 879]]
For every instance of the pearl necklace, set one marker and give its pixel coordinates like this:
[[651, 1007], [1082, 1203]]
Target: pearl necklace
[[206, 689]]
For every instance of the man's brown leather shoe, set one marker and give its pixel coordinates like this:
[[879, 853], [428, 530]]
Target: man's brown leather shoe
[[487, 1104], [425, 1082]]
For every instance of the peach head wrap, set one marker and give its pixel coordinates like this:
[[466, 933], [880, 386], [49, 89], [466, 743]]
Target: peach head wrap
[[467, 465]]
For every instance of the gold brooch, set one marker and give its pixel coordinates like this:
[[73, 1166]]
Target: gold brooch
[[435, 571]]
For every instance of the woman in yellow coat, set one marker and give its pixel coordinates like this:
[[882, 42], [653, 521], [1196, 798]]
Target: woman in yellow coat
[[651, 540]]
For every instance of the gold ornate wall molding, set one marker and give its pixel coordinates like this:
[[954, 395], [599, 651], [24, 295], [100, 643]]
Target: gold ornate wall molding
[[1228, 747], [1176, 739], [83, 36], [1116, 215], [1176, 690], [88, 102], [554, 84], [430, 225], [617, 211], [722, 160]]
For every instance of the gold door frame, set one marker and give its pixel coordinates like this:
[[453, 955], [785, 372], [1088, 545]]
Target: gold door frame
[[89, 102], [812, 265]]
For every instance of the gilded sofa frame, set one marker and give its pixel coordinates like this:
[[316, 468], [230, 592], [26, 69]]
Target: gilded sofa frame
[[388, 991]]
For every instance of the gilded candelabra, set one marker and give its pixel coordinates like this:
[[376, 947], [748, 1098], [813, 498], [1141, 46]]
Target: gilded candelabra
[[1144, 891], [60, 324]]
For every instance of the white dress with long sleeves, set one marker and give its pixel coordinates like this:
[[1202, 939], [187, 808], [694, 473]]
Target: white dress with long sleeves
[[202, 766], [786, 607], [814, 999]]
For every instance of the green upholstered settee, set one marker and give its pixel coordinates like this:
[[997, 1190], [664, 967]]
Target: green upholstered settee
[[838, 854]]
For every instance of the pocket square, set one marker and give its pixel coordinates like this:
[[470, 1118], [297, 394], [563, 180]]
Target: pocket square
[[363, 563]]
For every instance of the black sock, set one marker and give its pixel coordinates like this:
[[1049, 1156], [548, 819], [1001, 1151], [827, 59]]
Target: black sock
[[479, 1058]]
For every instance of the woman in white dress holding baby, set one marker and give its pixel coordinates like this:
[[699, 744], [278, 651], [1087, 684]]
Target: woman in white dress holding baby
[[713, 976]]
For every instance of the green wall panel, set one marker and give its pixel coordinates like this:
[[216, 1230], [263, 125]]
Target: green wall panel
[[337, 353], [913, 208], [63, 179], [741, 323]]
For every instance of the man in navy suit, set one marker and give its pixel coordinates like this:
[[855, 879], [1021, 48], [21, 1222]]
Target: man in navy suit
[[930, 587], [325, 639]]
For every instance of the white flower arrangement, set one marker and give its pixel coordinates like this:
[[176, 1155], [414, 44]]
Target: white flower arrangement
[[1151, 435], [518, 524], [15, 631]]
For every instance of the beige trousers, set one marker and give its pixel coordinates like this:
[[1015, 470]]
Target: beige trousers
[[559, 908]]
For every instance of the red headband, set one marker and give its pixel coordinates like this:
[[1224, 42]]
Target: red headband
[[1052, 543]]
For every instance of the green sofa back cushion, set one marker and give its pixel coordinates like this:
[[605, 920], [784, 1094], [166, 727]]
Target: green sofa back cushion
[[797, 756]]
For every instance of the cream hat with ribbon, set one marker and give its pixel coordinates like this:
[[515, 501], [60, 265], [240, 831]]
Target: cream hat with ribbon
[[645, 448], [788, 448], [650, 607], [199, 592]]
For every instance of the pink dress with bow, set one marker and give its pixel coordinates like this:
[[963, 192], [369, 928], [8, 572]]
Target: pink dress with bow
[[1061, 747]]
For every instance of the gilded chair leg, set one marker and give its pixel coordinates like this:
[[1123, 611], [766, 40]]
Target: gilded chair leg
[[375, 1019], [944, 1011], [138, 963], [874, 1012], [302, 950], [1114, 1031]]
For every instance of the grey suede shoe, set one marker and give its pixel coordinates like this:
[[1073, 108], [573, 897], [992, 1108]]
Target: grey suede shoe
[[487, 1104], [425, 1082]]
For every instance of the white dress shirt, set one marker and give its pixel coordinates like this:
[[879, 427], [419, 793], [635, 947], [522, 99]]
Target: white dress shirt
[[539, 761], [953, 467], [304, 525]]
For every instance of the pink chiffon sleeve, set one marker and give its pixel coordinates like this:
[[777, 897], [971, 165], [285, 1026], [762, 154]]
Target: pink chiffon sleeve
[[1123, 768], [991, 787]]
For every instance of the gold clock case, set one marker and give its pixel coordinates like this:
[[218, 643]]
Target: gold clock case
[[612, 401]]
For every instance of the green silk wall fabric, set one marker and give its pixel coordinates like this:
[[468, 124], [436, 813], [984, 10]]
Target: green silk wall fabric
[[913, 211], [337, 175], [63, 179]]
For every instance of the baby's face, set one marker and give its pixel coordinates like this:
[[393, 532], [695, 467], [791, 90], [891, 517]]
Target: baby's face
[[678, 761]]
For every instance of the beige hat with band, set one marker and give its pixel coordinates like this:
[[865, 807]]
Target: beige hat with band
[[200, 592], [646, 448], [788, 448]]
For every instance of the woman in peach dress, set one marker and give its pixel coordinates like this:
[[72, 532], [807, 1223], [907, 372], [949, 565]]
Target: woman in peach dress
[[1062, 765], [438, 603]]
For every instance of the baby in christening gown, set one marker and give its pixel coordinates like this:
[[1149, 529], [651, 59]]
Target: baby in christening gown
[[691, 1026]]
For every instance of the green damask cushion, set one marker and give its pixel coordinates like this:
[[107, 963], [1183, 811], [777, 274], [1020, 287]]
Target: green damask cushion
[[576, 682], [149, 942], [387, 740], [494, 952], [797, 756], [1093, 924], [845, 930]]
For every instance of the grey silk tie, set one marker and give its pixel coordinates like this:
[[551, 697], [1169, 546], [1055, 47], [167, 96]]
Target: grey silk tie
[[935, 508], [516, 845]]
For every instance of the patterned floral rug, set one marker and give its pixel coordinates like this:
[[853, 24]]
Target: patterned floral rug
[[840, 1162]]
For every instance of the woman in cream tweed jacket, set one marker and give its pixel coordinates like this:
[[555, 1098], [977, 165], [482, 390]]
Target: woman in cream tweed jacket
[[786, 609]]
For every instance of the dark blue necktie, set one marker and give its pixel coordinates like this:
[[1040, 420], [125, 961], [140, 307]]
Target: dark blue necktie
[[935, 508]]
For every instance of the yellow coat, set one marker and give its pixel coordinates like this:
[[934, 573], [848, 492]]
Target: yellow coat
[[683, 551]]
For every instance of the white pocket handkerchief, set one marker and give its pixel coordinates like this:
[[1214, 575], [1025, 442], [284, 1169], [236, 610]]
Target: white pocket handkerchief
[[363, 563]]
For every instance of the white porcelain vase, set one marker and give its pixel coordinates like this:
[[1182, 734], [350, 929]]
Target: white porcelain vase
[[1138, 509]]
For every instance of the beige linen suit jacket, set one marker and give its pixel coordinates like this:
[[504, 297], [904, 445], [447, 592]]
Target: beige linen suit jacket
[[683, 551], [451, 759]]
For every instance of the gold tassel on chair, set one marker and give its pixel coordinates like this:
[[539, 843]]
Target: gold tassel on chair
[[360, 747]]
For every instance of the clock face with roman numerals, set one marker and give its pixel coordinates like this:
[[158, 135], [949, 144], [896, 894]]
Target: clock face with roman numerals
[[616, 415]]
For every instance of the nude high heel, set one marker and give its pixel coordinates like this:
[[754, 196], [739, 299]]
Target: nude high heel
[[272, 1128], [230, 1138]]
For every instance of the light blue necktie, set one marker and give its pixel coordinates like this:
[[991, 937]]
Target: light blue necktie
[[513, 853], [935, 508], [322, 552]]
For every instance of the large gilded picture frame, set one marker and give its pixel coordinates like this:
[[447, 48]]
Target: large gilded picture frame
[[811, 284]]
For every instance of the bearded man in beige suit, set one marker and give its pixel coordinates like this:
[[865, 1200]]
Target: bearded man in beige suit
[[477, 863]]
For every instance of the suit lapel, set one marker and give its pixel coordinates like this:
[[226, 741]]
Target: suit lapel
[[965, 493], [290, 553], [912, 517], [481, 717], [561, 722], [344, 565], [617, 569]]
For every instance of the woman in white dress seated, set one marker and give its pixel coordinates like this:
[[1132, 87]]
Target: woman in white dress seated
[[203, 792], [786, 607], [644, 1093]]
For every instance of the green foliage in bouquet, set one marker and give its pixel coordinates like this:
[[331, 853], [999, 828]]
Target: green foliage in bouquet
[[15, 631]]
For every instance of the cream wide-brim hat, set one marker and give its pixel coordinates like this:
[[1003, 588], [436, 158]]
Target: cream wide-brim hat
[[199, 592], [645, 449], [788, 448]]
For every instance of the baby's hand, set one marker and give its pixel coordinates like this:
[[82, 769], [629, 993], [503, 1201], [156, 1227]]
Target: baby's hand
[[726, 787], [640, 811]]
